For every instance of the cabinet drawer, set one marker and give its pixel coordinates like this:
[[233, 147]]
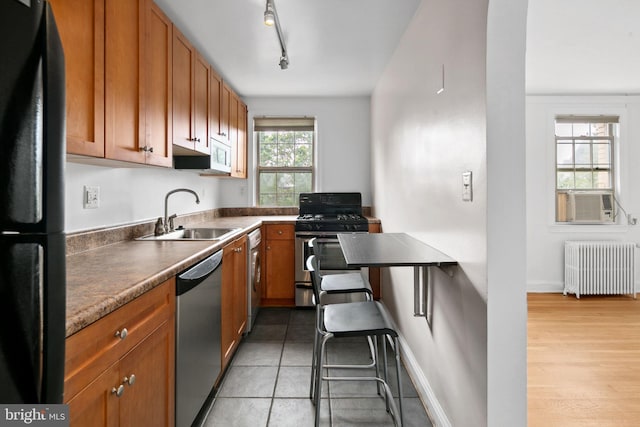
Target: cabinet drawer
[[93, 349], [280, 232]]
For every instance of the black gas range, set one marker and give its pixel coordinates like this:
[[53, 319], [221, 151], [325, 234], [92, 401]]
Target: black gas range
[[323, 216], [331, 212]]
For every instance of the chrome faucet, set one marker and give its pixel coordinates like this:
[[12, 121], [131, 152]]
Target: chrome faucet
[[168, 228]]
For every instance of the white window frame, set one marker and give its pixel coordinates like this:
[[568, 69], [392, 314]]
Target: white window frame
[[280, 123], [587, 106], [613, 136]]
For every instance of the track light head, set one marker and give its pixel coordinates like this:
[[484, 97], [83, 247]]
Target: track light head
[[269, 18], [269, 15]]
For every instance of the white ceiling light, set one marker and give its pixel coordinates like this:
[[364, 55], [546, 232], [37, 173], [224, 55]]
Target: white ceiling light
[[271, 18]]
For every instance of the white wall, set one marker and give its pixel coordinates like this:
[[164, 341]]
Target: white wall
[[472, 362], [545, 238], [133, 194], [343, 145]]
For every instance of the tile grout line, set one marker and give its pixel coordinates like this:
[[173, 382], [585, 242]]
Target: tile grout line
[[275, 385]]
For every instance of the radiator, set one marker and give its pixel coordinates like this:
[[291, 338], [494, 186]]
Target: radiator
[[599, 268]]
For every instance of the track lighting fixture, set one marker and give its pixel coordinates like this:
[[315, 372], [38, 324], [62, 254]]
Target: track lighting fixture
[[271, 19]]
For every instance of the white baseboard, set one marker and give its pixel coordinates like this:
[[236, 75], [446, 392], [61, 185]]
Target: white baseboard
[[425, 392], [545, 287]]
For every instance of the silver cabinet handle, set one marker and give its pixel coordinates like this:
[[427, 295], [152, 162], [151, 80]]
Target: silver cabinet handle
[[280, 232], [122, 334], [118, 391], [131, 379]]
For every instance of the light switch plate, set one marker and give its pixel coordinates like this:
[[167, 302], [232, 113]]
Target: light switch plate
[[91, 198], [467, 186]]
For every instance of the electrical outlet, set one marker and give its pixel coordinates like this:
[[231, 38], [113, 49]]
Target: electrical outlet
[[467, 186], [91, 199]]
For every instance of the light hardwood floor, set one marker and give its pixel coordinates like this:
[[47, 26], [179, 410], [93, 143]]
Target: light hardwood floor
[[583, 361]]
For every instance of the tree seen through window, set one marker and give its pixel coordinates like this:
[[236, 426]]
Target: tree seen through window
[[285, 162]]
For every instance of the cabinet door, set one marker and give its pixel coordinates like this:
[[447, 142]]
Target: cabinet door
[[97, 405], [183, 62], [228, 332], [157, 77], [214, 104], [233, 127], [124, 111], [81, 27], [225, 110], [240, 301], [149, 398], [239, 164], [202, 83], [234, 296], [279, 269]]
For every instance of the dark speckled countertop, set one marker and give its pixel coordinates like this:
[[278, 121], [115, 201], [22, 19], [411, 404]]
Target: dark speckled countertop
[[103, 279]]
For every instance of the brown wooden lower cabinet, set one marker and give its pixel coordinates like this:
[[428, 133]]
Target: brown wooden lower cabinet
[[120, 371], [234, 296], [374, 272], [278, 265]]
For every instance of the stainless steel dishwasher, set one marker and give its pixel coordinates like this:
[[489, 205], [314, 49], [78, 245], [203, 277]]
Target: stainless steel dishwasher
[[198, 341]]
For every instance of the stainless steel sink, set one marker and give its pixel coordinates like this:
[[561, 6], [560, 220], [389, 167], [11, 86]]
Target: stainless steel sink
[[202, 233]]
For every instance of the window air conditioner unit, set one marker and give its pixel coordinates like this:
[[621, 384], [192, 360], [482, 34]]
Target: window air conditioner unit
[[590, 207]]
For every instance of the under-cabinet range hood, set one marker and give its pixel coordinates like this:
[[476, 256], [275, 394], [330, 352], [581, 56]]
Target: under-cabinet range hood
[[218, 162]]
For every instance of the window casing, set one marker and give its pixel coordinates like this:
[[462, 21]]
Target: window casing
[[584, 149], [285, 166]]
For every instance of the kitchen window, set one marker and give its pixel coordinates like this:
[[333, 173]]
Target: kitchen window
[[285, 159], [584, 160]]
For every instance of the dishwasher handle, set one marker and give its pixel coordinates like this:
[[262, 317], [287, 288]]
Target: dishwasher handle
[[197, 274]]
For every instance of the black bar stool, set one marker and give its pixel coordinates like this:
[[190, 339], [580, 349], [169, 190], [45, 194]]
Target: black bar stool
[[353, 319], [332, 287]]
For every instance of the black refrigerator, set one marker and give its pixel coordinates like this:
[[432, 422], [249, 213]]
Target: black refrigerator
[[32, 240]]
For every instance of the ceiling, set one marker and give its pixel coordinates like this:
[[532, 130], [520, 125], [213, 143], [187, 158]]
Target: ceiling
[[340, 47], [335, 47]]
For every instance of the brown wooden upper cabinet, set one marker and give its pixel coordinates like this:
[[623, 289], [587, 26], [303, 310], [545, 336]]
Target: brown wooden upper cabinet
[[115, 108], [202, 103], [137, 89], [225, 120], [81, 27], [215, 107], [239, 155], [191, 97], [232, 124], [158, 79]]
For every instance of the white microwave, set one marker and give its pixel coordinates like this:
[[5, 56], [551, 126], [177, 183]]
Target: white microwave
[[217, 162], [220, 155]]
